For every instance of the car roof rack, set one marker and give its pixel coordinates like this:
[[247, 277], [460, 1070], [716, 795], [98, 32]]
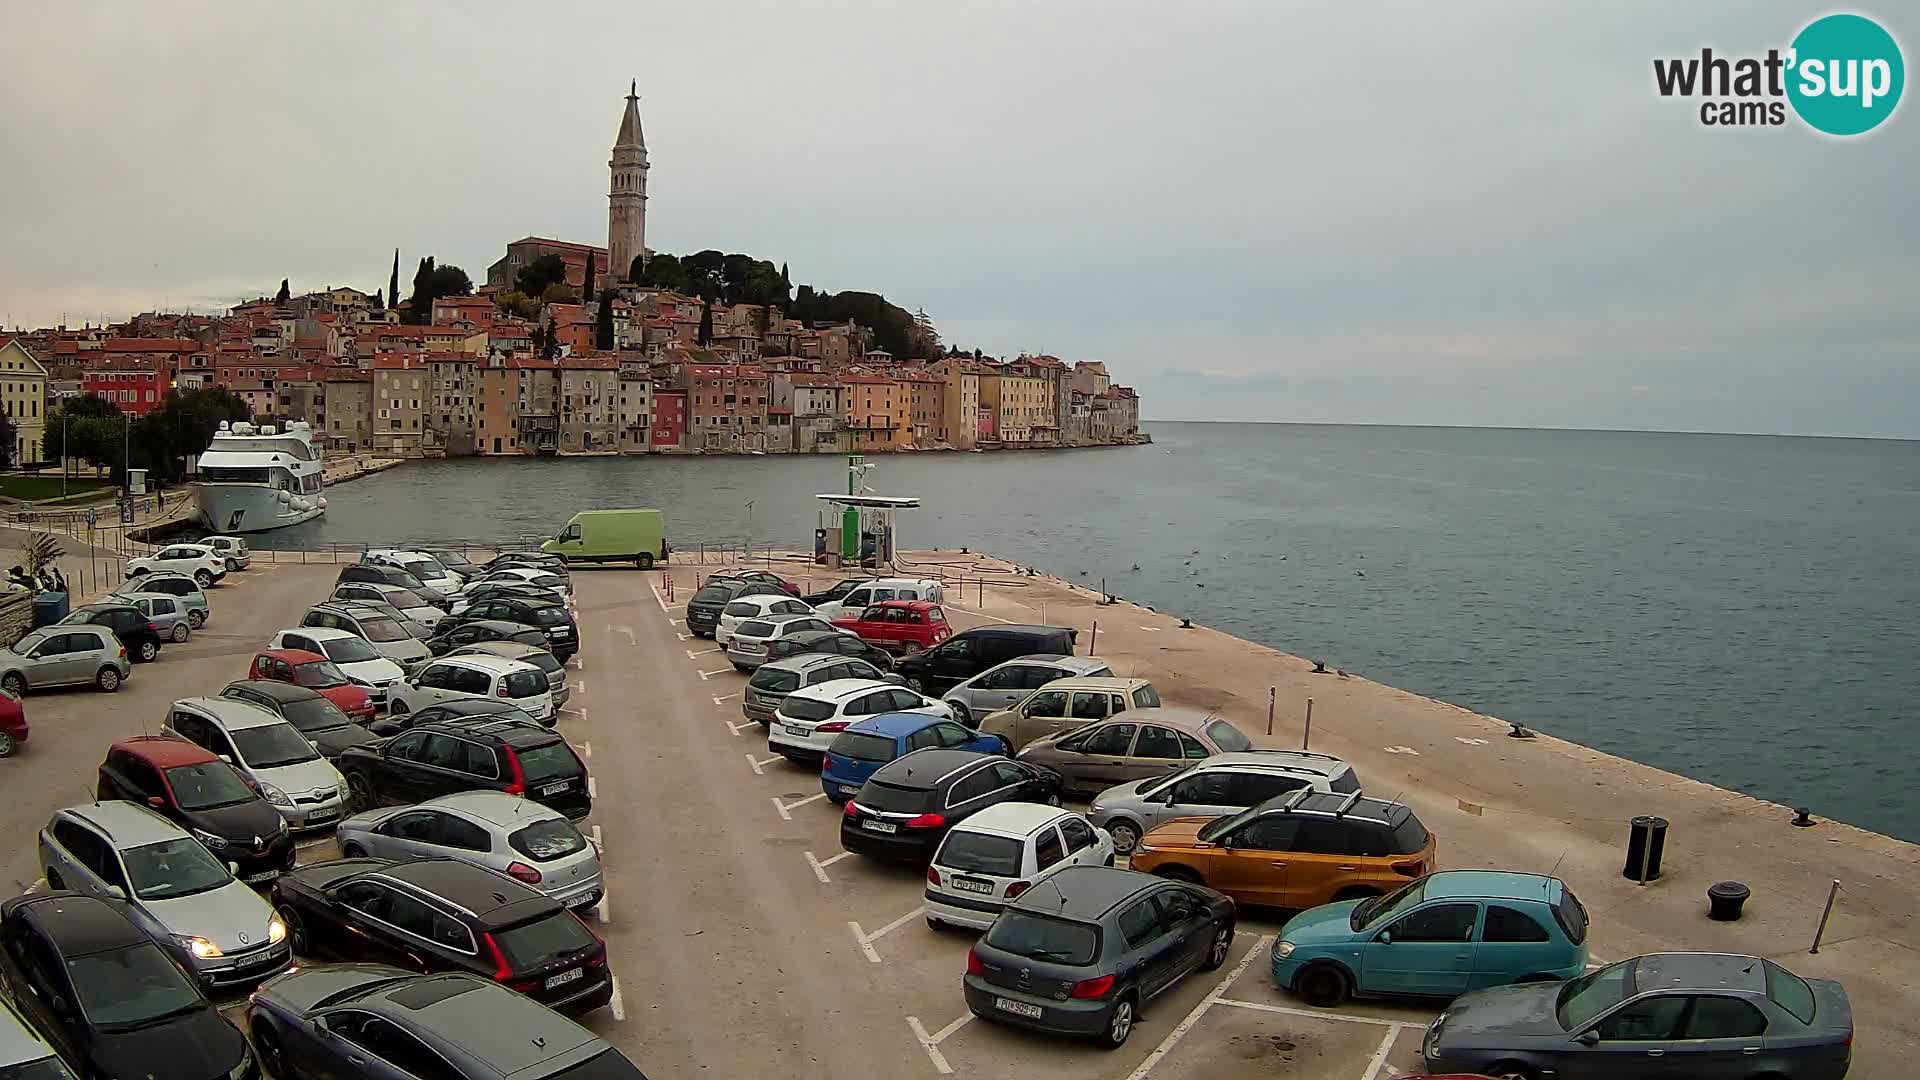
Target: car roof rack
[[1295, 799], [1346, 804]]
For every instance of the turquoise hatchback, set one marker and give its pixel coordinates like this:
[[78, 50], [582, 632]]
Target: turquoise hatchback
[[1441, 936]]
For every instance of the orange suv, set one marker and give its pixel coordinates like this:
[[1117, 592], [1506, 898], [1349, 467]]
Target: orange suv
[[1294, 851]]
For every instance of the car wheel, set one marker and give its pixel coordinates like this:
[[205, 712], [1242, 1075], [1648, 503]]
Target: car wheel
[[7, 744], [961, 714], [396, 707], [266, 1047], [916, 684], [359, 792], [203, 579], [149, 650], [1511, 1070], [1323, 985], [741, 667], [232, 566], [197, 617], [645, 560], [1119, 1024], [936, 925], [352, 850], [1126, 836], [296, 930], [1221, 947], [1180, 873], [15, 684], [108, 680], [180, 632]]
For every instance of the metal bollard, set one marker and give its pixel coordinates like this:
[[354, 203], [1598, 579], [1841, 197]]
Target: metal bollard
[[1833, 891], [1306, 733]]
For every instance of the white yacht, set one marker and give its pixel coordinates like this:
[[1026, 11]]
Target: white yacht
[[257, 478]]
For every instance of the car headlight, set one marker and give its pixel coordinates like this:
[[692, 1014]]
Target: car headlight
[[276, 930], [200, 947], [274, 795], [284, 827], [340, 790], [1283, 949], [212, 842]]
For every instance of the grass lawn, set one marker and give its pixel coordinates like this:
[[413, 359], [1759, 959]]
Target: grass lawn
[[47, 486]]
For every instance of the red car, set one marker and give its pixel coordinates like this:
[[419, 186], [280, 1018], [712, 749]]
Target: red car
[[316, 673], [13, 724], [908, 626]]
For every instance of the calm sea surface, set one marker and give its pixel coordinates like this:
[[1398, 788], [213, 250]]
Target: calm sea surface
[[1737, 609]]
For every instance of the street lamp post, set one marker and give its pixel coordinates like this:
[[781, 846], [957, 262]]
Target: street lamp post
[[749, 529]]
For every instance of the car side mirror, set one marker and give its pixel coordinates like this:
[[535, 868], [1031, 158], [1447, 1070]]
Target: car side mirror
[[228, 758], [116, 892], [233, 868], [156, 802], [896, 680], [1385, 938], [1589, 1037]]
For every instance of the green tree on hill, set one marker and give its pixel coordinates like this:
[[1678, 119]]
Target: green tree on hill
[[603, 324], [393, 281], [534, 278], [432, 282], [283, 294]]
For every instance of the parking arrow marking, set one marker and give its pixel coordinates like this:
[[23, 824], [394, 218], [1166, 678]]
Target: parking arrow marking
[[627, 630], [1401, 750], [1469, 742]]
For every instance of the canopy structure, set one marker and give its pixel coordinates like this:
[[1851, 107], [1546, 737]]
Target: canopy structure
[[859, 531], [875, 502]]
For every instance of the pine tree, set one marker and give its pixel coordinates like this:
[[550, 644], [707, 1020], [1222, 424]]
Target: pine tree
[[379, 300], [603, 321], [393, 283], [785, 281], [586, 289], [284, 293]]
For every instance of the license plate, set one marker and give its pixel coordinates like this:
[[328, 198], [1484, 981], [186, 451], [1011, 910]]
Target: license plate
[[587, 899], [323, 817], [265, 875], [985, 888], [566, 977], [553, 789], [1018, 1008], [846, 790], [880, 826], [796, 731]]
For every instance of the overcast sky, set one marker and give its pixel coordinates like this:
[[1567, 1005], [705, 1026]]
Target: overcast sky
[[1382, 213]]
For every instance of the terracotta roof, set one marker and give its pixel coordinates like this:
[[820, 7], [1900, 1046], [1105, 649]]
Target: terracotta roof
[[563, 244], [175, 345], [391, 362], [589, 363]]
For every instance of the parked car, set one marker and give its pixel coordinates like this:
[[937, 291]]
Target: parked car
[[971, 652], [454, 560], [432, 571], [612, 535], [291, 774], [384, 633], [1295, 852], [759, 606], [873, 591], [431, 759], [513, 587], [321, 721], [108, 998], [64, 656], [759, 577], [181, 587], [1140, 744], [747, 644], [1215, 787], [454, 633], [203, 564], [859, 752], [317, 673], [900, 626], [214, 924], [1704, 1016], [139, 634], [829, 641], [774, 680], [709, 600], [1082, 958], [464, 711], [167, 613], [997, 855], [232, 549], [906, 807], [384, 574], [13, 724], [563, 637], [331, 1021], [452, 677], [1006, 684], [537, 655], [24, 1053], [354, 655], [419, 630], [190, 787], [837, 591], [439, 915], [409, 604], [1068, 705], [810, 717], [558, 581], [501, 832], [542, 560]]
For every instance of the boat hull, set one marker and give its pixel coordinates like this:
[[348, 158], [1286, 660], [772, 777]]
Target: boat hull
[[252, 508]]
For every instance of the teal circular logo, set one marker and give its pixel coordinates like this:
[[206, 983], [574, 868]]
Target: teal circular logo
[[1845, 74]]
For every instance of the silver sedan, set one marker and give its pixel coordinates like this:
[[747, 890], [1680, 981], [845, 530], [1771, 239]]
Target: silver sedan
[[504, 833]]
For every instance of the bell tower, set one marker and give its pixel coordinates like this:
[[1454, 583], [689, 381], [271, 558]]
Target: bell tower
[[627, 195]]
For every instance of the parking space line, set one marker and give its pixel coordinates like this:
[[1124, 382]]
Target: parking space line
[[866, 940], [684, 637], [619, 1007], [931, 1043], [600, 910], [657, 598], [593, 792], [585, 748], [1314, 1014], [820, 866], [758, 763], [721, 699], [1180, 1031], [693, 654], [593, 834], [1380, 1054], [737, 728], [785, 807], [710, 674]]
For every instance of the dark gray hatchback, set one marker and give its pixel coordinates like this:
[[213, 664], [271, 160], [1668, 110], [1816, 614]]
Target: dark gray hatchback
[[1080, 953]]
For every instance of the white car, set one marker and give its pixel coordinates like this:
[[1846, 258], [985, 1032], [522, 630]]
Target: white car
[[755, 607], [747, 645], [546, 579], [350, 653], [407, 602], [431, 571], [457, 678], [295, 780], [809, 719], [197, 561], [231, 548], [872, 592], [990, 858]]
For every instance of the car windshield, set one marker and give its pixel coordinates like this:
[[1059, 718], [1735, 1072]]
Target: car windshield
[[1042, 937], [47, 1068], [864, 746], [804, 708], [348, 650], [424, 569], [319, 675], [172, 868], [879, 795], [314, 715], [271, 745], [1377, 909], [1790, 992], [1594, 993], [775, 680], [608, 1064], [383, 629], [546, 662], [405, 598], [754, 628], [132, 986], [713, 594], [742, 609], [1228, 738], [207, 786], [1222, 826], [549, 616], [543, 941], [545, 841], [526, 684], [980, 853], [1409, 837], [547, 762]]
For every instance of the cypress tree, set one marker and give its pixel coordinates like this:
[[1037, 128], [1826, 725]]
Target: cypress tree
[[393, 282], [586, 289], [603, 322], [706, 322], [284, 293]]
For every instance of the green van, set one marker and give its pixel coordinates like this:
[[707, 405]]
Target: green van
[[612, 536]]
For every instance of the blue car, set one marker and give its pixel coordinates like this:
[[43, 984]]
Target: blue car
[[1441, 936], [859, 751]]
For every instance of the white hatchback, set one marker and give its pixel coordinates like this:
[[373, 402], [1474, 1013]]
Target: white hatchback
[[810, 718], [350, 653], [872, 592], [991, 858], [459, 678], [755, 607], [431, 572], [197, 561]]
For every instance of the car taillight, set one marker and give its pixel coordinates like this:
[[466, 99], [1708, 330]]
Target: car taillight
[[1408, 867], [1093, 988], [933, 876], [973, 963], [153, 628], [519, 785], [850, 810], [1017, 888], [522, 872], [600, 960], [502, 971], [123, 652], [837, 725], [927, 821], [502, 691]]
